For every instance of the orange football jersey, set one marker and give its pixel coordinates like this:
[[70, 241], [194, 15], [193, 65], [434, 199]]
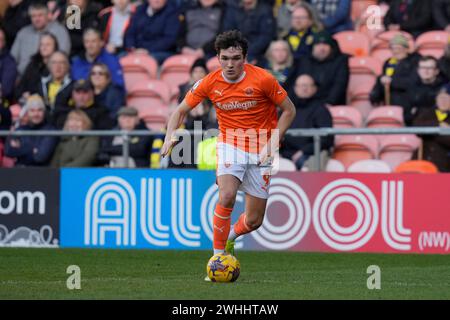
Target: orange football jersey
[[246, 108]]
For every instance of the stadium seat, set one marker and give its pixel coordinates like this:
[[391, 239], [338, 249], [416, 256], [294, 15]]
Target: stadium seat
[[138, 67], [176, 69], [363, 75], [213, 64], [150, 94], [432, 43], [358, 97], [395, 149], [174, 95], [351, 148], [380, 45], [284, 164], [416, 166], [370, 166], [353, 43], [334, 165], [155, 119], [385, 117], [346, 117]]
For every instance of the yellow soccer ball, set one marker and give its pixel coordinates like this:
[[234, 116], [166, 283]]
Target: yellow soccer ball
[[223, 267]]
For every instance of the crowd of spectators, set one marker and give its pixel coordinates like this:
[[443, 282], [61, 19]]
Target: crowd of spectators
[[70, 78]]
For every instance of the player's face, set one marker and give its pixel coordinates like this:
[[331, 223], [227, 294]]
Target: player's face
[[232, 62]]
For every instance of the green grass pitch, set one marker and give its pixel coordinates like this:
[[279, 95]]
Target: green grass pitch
[[147, 274]]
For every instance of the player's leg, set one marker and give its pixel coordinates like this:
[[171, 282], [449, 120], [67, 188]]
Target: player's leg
[[251, 219], [228, 187]]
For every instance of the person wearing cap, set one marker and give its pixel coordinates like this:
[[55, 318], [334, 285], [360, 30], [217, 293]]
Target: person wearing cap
[[139, 146], [391, 87], [436, 148], [83, 98], [329, 68], [32, 150]]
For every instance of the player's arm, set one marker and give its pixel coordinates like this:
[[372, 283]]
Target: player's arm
[[284, 122], [286, 117], [175, 121]]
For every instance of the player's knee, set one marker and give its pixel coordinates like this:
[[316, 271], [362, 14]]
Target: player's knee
[[254, 222], [227, 198]]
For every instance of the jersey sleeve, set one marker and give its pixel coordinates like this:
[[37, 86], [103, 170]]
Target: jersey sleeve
[[273, 89], [197, 93]]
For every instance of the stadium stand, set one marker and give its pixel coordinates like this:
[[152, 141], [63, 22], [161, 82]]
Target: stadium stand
[[138, 67], [176, 69], [149, 95], [334, 165], [432, 43], [395, 149], [353, 43]]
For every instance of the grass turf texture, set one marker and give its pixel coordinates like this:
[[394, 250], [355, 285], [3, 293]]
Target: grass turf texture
[[145, 274]]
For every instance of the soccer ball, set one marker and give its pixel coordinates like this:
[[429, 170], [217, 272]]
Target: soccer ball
[[223, 267]]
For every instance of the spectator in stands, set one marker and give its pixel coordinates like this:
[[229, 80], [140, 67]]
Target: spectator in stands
[[5, 118], [304, 25], [444, 62], [56, 88], [391, 87], [83, 99], [107, 93], [424, 88], [284, 17], [154, 28], [37, 68], [441, 14], [412, 16], [197, 72], [329, 68], [76, 151], [436, 148], [255, 20], [32, 150], [279, 60], [114, 22], [89, 19], [26, 43], [199, 26], [95, 52], [16, 17], [139, 150], [8, 71], [311, 113], [334, 14]]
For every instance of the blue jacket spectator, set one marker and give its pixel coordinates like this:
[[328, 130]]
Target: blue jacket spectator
[[256, 22], [95, 52], [107, 93], [8, 70], [32, 150], [335, 14], [154, 27]]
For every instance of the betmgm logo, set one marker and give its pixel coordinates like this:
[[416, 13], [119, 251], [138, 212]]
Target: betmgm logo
[[112, 206]]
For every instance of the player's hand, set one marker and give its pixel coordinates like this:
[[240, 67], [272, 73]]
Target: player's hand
[[167, 146], [267, 155]]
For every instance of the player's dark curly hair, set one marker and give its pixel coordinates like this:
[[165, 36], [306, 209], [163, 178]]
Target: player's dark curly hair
[[232, 38]]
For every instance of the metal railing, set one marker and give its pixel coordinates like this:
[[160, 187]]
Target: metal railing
[[316, 134]]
